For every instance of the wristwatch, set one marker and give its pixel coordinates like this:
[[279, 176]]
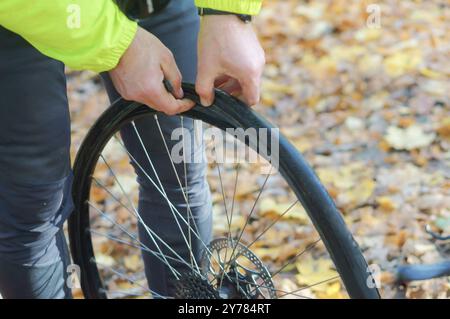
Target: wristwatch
[[207, 11]]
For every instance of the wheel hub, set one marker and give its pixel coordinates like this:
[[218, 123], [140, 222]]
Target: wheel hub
[[236, 272], [240, 276]]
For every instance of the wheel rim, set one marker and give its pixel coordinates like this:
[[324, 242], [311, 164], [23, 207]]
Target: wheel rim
[[95, 278]]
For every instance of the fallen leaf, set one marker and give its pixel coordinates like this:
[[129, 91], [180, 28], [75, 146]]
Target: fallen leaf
[[402, 62], [408, 138], [444, 128], [386, 204], [313, 271], [133, 262], [269, 206], [105, 260]]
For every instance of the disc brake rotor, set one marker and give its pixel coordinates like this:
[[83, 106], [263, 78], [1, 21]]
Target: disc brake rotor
[[241, 275]]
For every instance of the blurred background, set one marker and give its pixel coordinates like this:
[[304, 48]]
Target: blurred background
[[362, 89]]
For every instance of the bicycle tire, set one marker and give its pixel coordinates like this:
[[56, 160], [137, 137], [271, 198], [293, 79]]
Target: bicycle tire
[[226, 112]]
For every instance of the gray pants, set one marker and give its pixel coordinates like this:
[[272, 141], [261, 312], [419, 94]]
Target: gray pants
[[35, 175]]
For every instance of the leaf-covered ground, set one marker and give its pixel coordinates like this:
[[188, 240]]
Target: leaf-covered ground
[[370, 110]]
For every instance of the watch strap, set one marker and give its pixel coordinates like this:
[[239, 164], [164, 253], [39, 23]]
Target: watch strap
[[207, 11]]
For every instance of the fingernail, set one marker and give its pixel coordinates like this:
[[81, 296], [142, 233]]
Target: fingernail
[[205, 102], [181, 93]]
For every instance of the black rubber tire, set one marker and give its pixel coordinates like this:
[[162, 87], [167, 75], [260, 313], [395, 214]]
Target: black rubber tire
[[226, 112]]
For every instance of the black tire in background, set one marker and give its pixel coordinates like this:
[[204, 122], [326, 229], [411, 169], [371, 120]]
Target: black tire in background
[[226, 112]]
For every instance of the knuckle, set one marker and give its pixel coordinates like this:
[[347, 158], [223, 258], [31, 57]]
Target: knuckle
[[254, 69], [201, 90], [168, 56], [177, 80]]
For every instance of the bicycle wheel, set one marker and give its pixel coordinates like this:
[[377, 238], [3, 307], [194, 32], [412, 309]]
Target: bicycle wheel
[[244, 258]]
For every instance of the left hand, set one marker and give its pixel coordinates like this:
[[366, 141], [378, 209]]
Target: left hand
[[230, 58]]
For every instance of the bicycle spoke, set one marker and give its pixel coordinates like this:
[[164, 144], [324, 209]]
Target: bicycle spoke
[[234, 195], [231, 213], [186, 188], [128, 209], [273, 289], [121, 241], [165, 194], [251, 212], [174, 271], [260, 204], [272, 224], [130, 279], [228, 219], [168, 201], [176, 175], [308, 247], [309, 286], [136, 213]]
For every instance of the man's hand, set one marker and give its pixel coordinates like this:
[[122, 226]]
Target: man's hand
[[140, 73], [230, 58]]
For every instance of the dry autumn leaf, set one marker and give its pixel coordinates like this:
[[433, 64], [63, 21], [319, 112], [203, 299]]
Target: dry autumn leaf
[[408, 138], [133, 262], [268, 206], [311, 272]]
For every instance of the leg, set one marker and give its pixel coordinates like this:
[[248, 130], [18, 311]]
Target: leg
[[35, 196], [177, 28]]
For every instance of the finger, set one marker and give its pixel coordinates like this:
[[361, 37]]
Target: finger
[[232, 86], [173, 75], [184, 105], [219, 81], [204, 86], [165, 102], [250, 90]]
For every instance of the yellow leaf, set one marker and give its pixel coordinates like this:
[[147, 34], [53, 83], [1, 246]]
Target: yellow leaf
[[367, 34], [266, 253], [132, 262], [362, 192], [332, 291], [269, 206], [430, 73], [348, 53], [105, 260], [313, 271], [271, 86], [444, 128], [125, 285], [408, 138], [402, 62], [354, 183], [386, 203], [278, 253]]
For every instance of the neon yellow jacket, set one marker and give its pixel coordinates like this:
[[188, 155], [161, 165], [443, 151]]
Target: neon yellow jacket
[[86, 34]]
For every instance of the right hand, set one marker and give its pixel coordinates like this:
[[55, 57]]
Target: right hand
[[140, 73]]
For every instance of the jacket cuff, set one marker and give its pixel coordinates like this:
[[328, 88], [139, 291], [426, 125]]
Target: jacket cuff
[[128, 30], [251, 7]]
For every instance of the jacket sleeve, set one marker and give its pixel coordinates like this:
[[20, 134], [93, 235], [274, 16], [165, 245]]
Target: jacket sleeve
[[84, 34], [251, 7]]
